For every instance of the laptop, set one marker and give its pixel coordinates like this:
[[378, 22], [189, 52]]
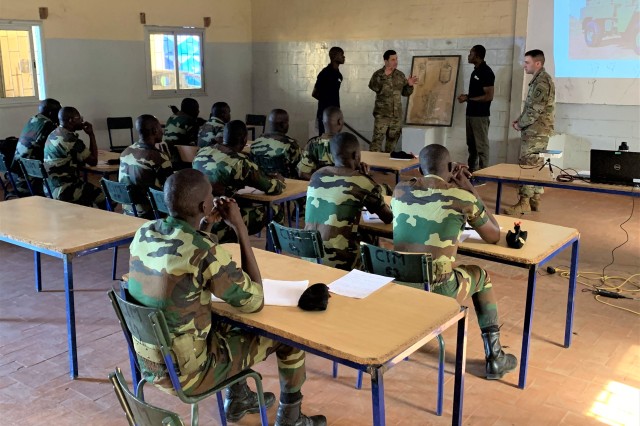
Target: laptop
[[615, 167]]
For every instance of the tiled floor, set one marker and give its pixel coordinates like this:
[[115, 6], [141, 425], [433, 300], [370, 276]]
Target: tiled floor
[[596, 381]]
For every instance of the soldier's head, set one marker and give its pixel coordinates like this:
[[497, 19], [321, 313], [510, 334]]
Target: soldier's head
[[70, 119], [345, 150], [50, 109], [222, 111], [235, 135], [477, 54], [149, 129], [435, 160], [336, 55], [533, 61], [187, 194], [279, 121], [333, 120], [190, 107], [390, 59]]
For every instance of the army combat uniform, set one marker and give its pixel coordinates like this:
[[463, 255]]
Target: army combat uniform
[[277, 148], [31, 146], [429, 216], [180, 129], [177, 269], [335, 199], [316, 154], [387, 112], [211, 132], [145, 167], [64, 154]]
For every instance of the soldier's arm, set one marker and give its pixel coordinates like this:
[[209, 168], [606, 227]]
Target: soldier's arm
[[92, 159], [486, 97], [538, 103], [375, 84], [406, 88], [164, 170], [307, 164], [374, 202], [253, 176], [294, 158]]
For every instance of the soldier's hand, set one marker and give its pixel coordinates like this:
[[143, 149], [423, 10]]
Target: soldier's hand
[[461, 168], [516, 126], [87, 127], [364, 168], [461, 179], [463, 98], [230, 212], [412, 80], [277, 176]]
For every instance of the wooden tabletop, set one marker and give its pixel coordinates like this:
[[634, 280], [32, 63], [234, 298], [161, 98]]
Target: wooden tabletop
[[102, 166], [295, 189], [368, 331], [62, 227], [382, 160]]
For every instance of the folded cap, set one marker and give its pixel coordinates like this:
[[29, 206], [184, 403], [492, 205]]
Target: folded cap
[[315, 298]]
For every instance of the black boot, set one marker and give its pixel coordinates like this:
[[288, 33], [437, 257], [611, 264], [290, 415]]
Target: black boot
[[241, 400], [498, 362], [291, 415]]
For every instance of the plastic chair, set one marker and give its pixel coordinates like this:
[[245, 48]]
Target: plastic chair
[[255, 120], [4, 170], [297, 242], [156, 199], [136, 410], [119, 123], [148, 326], [272, 165], [35, 169], [414, 268]]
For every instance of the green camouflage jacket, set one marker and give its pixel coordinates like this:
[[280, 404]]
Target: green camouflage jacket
[[64, 155], [32, 140], [335, 199], [272, 146], [537, 116], [316, 154], [210, 131], [389, 91], [181, 129]]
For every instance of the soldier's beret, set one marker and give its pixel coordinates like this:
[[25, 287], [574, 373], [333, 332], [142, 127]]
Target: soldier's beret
[[315, 298]]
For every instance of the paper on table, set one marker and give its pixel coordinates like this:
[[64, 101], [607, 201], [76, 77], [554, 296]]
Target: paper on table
[[358, 284], [370, 217], [280, 293], [249, 190], [471, 234]]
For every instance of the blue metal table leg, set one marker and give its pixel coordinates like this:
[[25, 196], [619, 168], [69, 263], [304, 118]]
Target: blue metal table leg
[[377, 397], [461, 362], [526, 333], [568, 331], [440, 400], [498, 197], [71, 316], [397, 177], [223, 418], [37, 270], [114, 266]]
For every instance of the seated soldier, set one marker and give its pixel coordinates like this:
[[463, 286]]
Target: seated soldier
[[317, 153], [143, 165], [229, 170], [65, 154], [335, 199], [182, 127], [211, 131], [429, 215], [32, 140], [177, 265], [275, 144]]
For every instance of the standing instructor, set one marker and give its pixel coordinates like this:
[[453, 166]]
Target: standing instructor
[[327, 87]]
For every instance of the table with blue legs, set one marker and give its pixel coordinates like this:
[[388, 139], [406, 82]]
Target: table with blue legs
[[65, 231], [103, 168], [381, 161], [544, 243], [371, 334]]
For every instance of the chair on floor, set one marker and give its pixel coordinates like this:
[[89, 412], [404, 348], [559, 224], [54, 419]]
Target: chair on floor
[[256, 120], [34, 169], [4, 171], [156, 199], [149, 328], [119, 123], [413, 269]]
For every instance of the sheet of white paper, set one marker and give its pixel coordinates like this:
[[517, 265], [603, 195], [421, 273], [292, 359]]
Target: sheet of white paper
[[358, 284], [249, 190], [471, 234], [370, 217], [280, 293]]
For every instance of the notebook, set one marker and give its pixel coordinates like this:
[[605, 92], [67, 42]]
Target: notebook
[[615, 167]]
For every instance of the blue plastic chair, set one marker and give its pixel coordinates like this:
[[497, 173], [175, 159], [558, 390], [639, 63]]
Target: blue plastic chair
[[32, 168], [156, 199], [4, 170]]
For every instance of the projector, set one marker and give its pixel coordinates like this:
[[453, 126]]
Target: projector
[[550, 153]]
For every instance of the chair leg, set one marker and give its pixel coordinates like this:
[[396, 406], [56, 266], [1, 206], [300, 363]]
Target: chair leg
[[115, 263], [335, 369], [194, 414], [440, 400], [359, 380], [223, 417], [263, 406]]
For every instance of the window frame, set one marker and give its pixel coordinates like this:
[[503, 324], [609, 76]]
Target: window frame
[[176, 31]]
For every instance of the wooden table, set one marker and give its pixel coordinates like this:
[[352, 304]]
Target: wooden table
[[102, 168], [545, 241], [65, 231], [513, 173], [381, 161], [403, 318]]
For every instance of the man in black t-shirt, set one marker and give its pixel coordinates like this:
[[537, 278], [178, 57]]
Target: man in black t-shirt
[[478, 104], [327, 87]]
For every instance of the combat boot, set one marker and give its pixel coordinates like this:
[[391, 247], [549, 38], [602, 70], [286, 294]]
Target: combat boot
[[535, 202], [291, 415], [521, 207], [498, 362], [241, 400]]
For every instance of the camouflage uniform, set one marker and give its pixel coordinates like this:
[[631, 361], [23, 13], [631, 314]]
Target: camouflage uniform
[[428, 217], [31, 146], [536, 122], [273, 146], [210, 131], [335, 199], [316, 154], [177, 269], [228, 171], [64, 154], [387, 112], [180, 129], [146, 167]]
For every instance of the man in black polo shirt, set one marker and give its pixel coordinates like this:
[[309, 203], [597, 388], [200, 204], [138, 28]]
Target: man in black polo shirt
[[327, 88], [478, 103]]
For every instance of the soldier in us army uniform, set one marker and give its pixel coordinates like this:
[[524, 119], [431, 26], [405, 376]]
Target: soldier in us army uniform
[[32, 140], [182, 127], [429, 215], [535, 125], [390, 85], [335, 199], [143, 165], [275, 151], [229, 170], [65, 153], [211, 132], [177, 265], [316, 153]]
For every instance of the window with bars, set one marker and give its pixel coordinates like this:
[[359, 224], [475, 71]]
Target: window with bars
[[21, 64]]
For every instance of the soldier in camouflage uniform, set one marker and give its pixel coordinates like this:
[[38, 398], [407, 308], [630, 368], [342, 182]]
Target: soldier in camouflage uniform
[[177, 265], [390, 85], [65, 153], [317, 153], [143, 165], [211, 131], [32, 140], [182, 127], [228, 170], [536, 125], [429, 216], [335, 199], [275, 148]]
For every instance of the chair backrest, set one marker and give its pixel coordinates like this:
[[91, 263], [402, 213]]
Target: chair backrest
[[186, 152], [272, 165], [137, 411], [256, 120], [118, 123], [35, 169], [120, 193], [156, 199], [414, 268], [298, 242], [4, 167]]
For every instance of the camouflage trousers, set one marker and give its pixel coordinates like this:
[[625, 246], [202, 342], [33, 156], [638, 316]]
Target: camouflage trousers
[[253, 216], [391, 128], [530, 146], [478, 142], [80, 192]]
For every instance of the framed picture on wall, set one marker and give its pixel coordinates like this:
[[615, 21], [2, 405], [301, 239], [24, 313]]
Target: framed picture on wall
[[433, 97]]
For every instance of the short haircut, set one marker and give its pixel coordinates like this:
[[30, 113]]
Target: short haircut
[[389, 53], [145, 124], [431, 157], [479, 50], [334, 52], [184, 191], [235, 133], [49, 105], [67, 113], [218, 108], [189, 104], [331, 113], [343, 145], [536, 55]]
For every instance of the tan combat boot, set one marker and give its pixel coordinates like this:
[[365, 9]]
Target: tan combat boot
[[521, 207], [535, 202]]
